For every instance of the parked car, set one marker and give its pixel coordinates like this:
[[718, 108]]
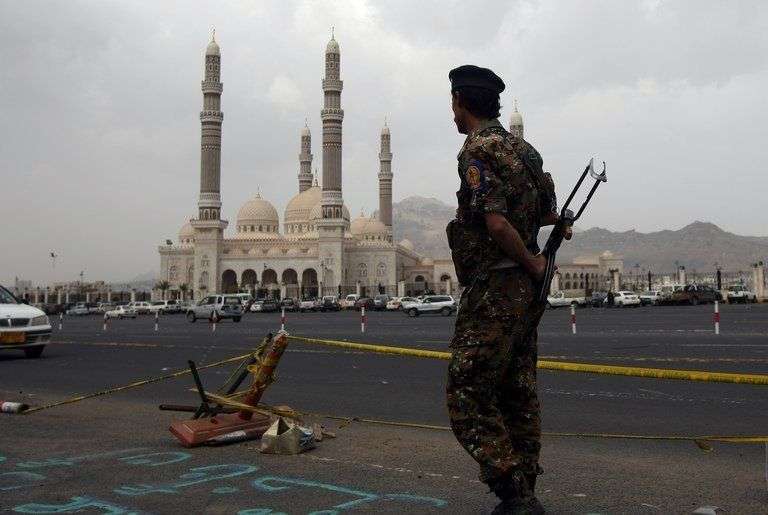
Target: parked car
[[106, 306], [365, 302], [121, 312], [21, 326], [289, 304], [141, 307], [625, 298], [330, 303], [264, 306], [739, 293], [165, 307], [308, 305], [396, 303], [380, 302], [559, 299], [431, 304], [694, 294], [597, 299], [650, 298], [246, 299], [79, 309], [217, 307], [349, 301], [667, 292]]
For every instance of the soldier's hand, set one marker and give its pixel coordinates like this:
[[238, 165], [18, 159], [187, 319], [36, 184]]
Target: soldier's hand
[[538, 267]]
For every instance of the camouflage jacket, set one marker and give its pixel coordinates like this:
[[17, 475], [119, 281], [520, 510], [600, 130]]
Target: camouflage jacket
[[499, 173]]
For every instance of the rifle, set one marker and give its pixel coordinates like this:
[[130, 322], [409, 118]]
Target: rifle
[[567, 217]]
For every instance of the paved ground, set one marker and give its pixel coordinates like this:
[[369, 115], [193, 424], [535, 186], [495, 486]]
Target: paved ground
[[92, 446]]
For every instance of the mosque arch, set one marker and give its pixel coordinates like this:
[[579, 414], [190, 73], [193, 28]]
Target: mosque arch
[[418, 279], [567, 285], [290, 276], [309, 282], [249, 279], [268, 277], [362, 270], [445, 277], [229, 281]]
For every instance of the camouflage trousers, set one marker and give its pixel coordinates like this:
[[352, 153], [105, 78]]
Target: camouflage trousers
[[492, 402]]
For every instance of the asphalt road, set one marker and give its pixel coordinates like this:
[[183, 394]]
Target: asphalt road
[[390, 464]]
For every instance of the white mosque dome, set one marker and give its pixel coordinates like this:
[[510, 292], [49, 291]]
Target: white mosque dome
[[368, 226], [300, 206], [186, 234], [405, 243], [257, 218], [213, 48]]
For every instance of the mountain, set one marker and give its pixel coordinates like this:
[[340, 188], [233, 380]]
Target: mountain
[[697, 246]]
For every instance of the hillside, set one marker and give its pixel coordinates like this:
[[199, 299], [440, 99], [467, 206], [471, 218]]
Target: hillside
[[698, 245]]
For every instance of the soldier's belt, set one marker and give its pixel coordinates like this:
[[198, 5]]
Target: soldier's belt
[[504, 264]]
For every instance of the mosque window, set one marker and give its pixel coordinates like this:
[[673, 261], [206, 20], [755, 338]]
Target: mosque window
[[381, 270], [567, 285], [362, 270], [260, 230]]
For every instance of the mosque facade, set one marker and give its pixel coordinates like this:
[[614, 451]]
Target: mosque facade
[[317, 249]]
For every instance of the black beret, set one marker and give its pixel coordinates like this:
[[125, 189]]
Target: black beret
[[470, 75]]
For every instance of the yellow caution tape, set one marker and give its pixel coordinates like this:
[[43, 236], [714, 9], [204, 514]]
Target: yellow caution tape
[[655, 373]]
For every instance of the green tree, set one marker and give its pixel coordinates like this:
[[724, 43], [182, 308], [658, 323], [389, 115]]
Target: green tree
[[163, 287]]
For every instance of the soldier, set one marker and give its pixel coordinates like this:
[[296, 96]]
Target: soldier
[[503, 200]]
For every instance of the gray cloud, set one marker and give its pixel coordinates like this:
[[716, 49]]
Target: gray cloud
[[100, 143]]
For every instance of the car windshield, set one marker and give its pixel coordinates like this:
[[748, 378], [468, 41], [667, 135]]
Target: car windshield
[[158, 303], [232, 301], [737, 288], [7, 297]]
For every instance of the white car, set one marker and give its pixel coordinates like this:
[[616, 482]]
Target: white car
[[141, 307], [739, 293], [349, 301], [121, 312], [396, 303], [165, 307], [559, 299], [650, 298], [625, 298], [79, 309], [22, 327], [308, 305], [431, 304]]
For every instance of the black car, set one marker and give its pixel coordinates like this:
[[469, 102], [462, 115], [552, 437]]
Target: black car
[[598, 299], [330, 303], [380, 302]]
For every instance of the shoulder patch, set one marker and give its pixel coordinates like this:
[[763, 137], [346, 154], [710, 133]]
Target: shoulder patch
[[475, 174]]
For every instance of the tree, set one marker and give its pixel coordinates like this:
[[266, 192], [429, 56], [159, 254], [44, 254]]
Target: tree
[[163, 287], [183, 289]]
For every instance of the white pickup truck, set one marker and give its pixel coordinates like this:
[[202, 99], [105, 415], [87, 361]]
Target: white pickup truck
[[738, 293], [559, 299]]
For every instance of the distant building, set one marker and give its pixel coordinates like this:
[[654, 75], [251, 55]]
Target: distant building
[[585, 274]]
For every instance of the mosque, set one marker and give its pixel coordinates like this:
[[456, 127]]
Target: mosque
[[317, 249]]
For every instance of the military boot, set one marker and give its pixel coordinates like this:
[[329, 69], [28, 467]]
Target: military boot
[[516, 494]]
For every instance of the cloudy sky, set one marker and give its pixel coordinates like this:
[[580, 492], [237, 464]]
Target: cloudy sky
[[100, 101]]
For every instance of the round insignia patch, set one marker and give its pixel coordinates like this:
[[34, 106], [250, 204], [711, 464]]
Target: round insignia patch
[[473, 177]]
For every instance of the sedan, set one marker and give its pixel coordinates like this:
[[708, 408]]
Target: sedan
[[121, 312], [21, 326], [365, 302], [264, 306], [626, 298]]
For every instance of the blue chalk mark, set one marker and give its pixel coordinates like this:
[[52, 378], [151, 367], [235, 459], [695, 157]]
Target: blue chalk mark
[[225, 490], [154, 459], [24, 477], [76, 505], [363, 497], [438, 503], [2, 459], [68, 462], [195, 476]]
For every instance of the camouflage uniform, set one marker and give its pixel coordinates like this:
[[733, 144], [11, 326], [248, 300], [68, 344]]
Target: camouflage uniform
[[491, 390]]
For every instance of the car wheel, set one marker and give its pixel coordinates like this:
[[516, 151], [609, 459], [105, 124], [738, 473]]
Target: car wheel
[[191, 317], [548, 306], [446, 312], [34, 352], [413, 312], [235, 319]]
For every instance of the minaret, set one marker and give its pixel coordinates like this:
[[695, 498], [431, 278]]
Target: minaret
[[209, 227], [516, 123], [332, 226], [332, 116], [385, 178], [209, 204], [305, 160]]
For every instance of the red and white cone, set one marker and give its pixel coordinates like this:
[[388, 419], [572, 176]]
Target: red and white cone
[[13, 407], [573, 319], [106, 319], [61, 320], [157, 320], [362, 319], [282, 319], [716, 317], [215, 320]]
